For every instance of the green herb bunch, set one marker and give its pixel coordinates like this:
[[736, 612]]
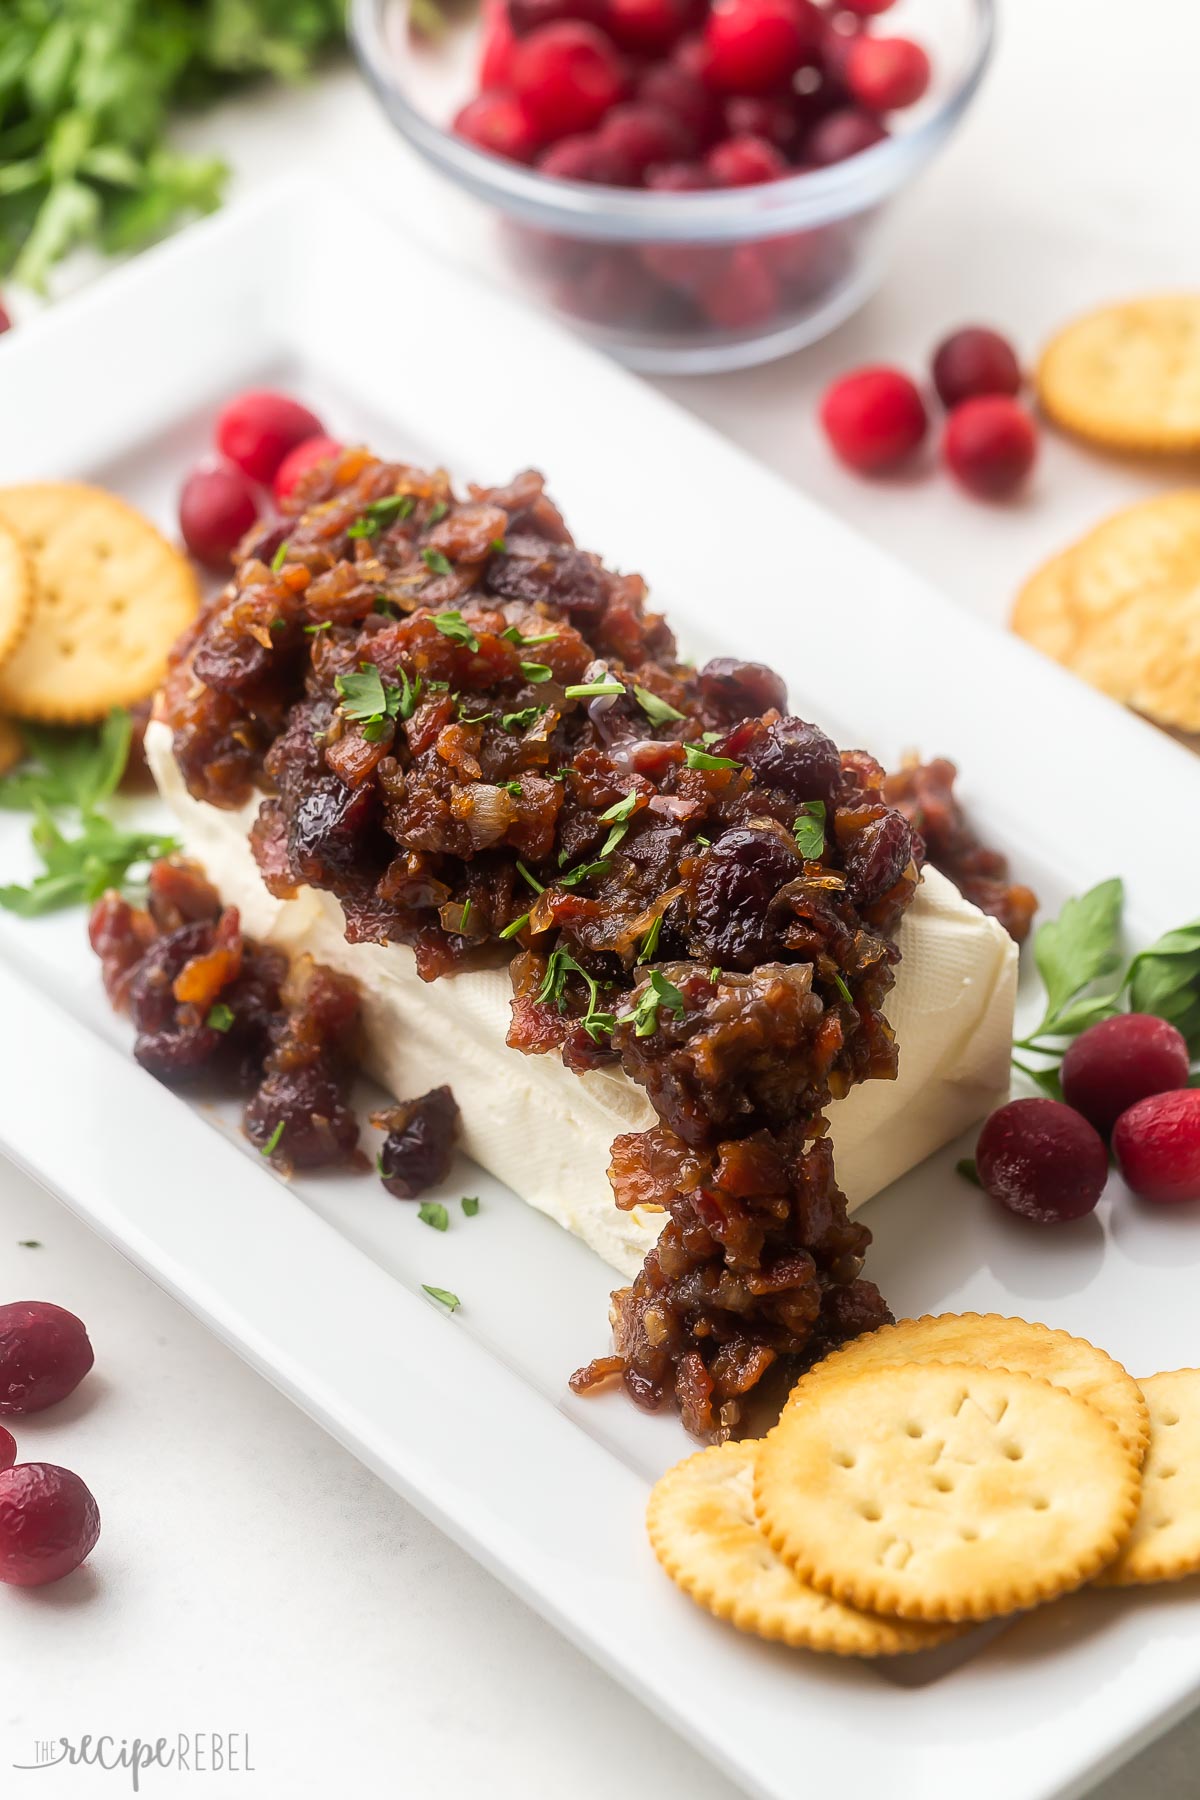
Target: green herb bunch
[[86, 87]]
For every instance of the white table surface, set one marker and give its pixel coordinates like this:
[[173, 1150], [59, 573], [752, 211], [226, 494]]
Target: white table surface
[[252, 1577]]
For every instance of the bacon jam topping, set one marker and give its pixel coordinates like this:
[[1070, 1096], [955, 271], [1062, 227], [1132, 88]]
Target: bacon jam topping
[[484, 744]]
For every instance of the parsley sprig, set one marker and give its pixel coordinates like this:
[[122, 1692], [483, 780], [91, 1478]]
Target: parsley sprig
[[659, 992], [372, 702], [595, 1021], [809, 830], [377, 515]]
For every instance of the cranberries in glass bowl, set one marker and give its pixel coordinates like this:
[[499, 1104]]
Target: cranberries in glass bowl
[[757, 236]]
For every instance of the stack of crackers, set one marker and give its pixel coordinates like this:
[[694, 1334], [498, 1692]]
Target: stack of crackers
[[91, 599], [935, 1473], [1122, 607]]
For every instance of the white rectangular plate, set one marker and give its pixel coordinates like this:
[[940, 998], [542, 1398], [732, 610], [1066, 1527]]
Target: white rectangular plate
[[319, 1286]]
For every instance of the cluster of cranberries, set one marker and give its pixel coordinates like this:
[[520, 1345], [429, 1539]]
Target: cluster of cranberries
[[876, 418], [49, 1521], [1124, 1082], [264, 442]]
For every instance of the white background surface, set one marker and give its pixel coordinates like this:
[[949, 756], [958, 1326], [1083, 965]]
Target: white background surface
[[252, 1578]]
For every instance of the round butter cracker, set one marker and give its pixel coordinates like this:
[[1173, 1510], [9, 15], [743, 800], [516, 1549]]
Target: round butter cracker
[[110, 596], [944, 1492], [16, 591], [703, 1531], [1128, 376], [1165, 1542], [990, 1341]]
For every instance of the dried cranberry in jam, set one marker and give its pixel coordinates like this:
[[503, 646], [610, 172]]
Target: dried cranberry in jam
[[419, 1146], [797, 758], [732, 894]]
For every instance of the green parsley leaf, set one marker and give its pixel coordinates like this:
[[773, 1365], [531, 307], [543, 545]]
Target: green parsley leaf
[[272, 1143], [77, 870], [30, 1244], [619, 814], [842, 989], [1078, 947], [809, 830], [583, 690], [525, 642], [657, 711], [499, 546], [573, 877], [650, 941], [464, 914], [521, 721], [966, 1168], [620, 809], [595, 1022], [513, 788], [437, 512], [385, 607], [432, 1212], [68, 768], [438, 563], [443, 1296], [714, 974], [536, 672], [362, 694], [696, 758], [659, 992], [511, 930], [537, 886], [452, 624], [1165, 979], [220, 1016], [325, 625], [280, 557], [380, 513], [470, 1205], [711, 737], [410, 693]]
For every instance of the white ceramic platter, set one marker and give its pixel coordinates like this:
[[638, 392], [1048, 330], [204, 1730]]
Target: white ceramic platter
[[319, 1286]]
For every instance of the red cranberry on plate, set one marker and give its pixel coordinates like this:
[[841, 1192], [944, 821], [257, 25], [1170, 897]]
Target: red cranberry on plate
[[8, 1449], [44, 1355], [495, 46], [989, 445], [1157, 1147], [419, 1147], [743, 293], [256, 430], [299, 461], [49, 1523], [1119, 1061], [501, 123], [745, 162], [884, 74], [217, 507], [1042, 1160], [568, 75], [647, 27], [755, 46], [842, 134], [974, 361], [875, 418]]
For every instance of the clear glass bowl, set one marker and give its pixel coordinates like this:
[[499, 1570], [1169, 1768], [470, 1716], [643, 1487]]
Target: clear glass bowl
[[603, 258]]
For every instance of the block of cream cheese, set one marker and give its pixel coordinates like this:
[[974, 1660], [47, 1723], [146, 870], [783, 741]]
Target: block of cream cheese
[[545, 1131]]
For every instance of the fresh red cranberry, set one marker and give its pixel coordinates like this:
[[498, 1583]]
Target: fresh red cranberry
[[974, 361], [495, 46], [865, 9], [744, 293], [527, 15], [49, 1523], [769, 116], [1119, 1061], [501, 123], [744, 162], [568, 75], [842, 134], [586, 157], [44, 1355], [1157, 1146], [647, 27], [299, 461], [837, 37], [217, 507], [884, 74], [8, 1449], [874, 418], [641, 135], [756, 45], [1042, 1160], [989, 445], [256, 430], [673, 89]]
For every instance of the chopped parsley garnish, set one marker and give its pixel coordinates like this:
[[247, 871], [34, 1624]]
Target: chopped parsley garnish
[[536, 672], [696, 758], [279, 558], [432, 1212], [809, 830], [472, 718], [573, 877], [387, 607], [220, 1016], [465, 914], [520, 721], [325, 625], [272, 1143], [452, 624], [537, 886], [659, 992], [524, 641], [30, 1244], [499, 546], [102, 854], [967, 1169], [650, 941], [701, 839], [470, 1205], [512, 928], [379, 513], [437, 512], [659, 712], [842, 989], [438, 563], [410, 693], [443, 1296], [513, 788], [714, 974], [618, 815], [583, 690], [711, 737], [370, 702], [596, 1023]]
